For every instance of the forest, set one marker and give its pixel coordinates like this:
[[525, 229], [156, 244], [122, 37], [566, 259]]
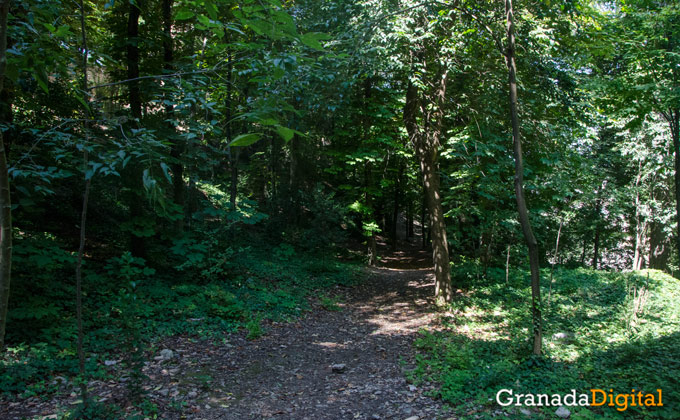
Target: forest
[[339, 209]]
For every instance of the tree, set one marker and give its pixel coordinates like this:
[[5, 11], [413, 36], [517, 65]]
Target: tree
[[424, 118], [5, 202], [643, 69], [529, 237]]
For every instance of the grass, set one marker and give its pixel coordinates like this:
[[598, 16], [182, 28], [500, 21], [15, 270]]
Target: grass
[[598, 333]]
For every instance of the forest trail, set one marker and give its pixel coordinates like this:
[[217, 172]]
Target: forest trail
[[288, 374]]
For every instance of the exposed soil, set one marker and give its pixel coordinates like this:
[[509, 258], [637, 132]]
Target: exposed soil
[[288, 373]]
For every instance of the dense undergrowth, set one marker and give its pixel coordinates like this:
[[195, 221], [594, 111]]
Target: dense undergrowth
[[226, 273], [606, 330]]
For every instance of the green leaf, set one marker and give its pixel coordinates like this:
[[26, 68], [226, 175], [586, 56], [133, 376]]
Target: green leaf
[[42, 82], [165, 168], [311, 39], [285, 133], [245, 139], [184, 15], [204, 20]]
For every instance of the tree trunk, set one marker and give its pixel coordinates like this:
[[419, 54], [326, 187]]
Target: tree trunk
[[440, 249], [529, 237], [486, 257], [5, 204], [368, 199], [83, 216], [372, 246], [557, 249], [423, 209], [507, 266], [596, 248], [409, 220], [233, 152], [658, 247], [137, 243], [395, 209], [176, 149], [637, 255], [233, 186], [426, 139], [583, 252], [293, 182], [554, 259]]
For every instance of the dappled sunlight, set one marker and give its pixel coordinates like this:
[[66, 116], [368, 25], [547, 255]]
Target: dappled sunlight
[[329, 345]]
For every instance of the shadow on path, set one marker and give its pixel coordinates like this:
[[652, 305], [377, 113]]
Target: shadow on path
[[288, 373]]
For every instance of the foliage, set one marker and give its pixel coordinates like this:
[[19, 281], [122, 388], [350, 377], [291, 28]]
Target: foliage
[[589, 342], [139, 305]]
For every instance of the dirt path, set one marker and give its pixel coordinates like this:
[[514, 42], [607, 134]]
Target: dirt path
[[288, 374]]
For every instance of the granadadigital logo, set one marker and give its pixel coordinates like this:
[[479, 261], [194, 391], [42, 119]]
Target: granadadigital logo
[[596, 398]]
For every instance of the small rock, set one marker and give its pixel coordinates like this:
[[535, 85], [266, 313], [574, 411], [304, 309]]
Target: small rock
[[562, 336], [412, 388], [562, 413], [166, 354], [413, 418], [109, 362], [192, 394], [338, 368], [525, 411], [375, 417]]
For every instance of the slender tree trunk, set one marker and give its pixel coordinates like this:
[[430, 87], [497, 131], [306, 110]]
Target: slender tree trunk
[[83, 215], [507, 266], [554, 259], [176, 149], [529, 237], [395, 210], [557, 249], [596, 248], [137, 243], [583, 253], [233, 185], [487, 252], [79, 288], [372, 246], [423, 209], [228, 115], [5, 203], [409, 220], [368, 198], [638, 231], [293, 186]]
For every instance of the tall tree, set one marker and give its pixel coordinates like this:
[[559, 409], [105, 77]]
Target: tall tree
[[423, 117], [5, 203], [529, 237]]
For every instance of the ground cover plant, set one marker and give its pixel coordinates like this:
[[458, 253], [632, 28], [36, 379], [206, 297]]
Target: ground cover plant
[[599, 334], [202, 289]]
